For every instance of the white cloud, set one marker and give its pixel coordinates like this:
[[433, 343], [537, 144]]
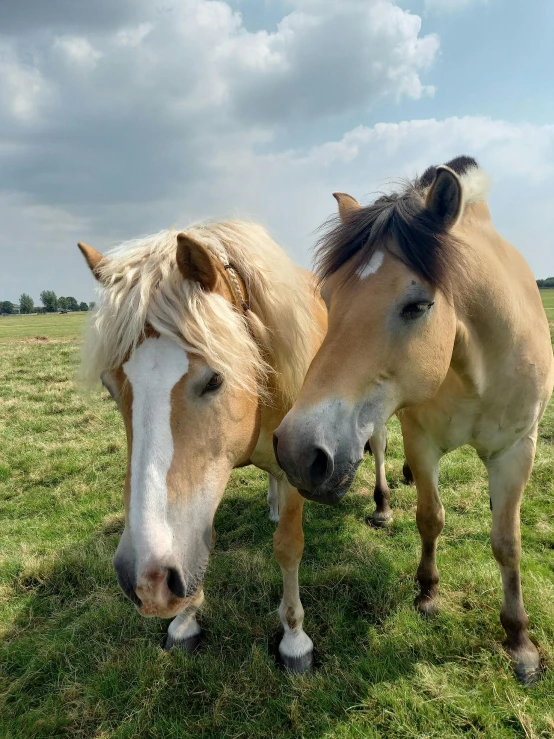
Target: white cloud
[[450, 5], [23, 89], [518, 157], [290, 192], [133, 36], [77, 50], [133, 116], [126, 108], [323, 58], [513, 150], [327, 58]]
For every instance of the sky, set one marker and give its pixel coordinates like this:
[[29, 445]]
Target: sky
[[120, 119]]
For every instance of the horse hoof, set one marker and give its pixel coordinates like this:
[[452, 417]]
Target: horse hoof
[[299, 665], [380, 519], [426, 606], [296, 652], [273, 516], [527, 675], [190, 645], [527, 663]]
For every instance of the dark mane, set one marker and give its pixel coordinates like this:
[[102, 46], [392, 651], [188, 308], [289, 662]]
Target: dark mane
[[460, 165], [423, 243]]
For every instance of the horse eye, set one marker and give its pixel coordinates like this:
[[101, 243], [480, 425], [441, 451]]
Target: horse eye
[[216, 380], [415, 310]]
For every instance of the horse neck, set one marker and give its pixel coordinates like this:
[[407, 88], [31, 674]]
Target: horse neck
[[298, 346], [278, 404], [501, 305]]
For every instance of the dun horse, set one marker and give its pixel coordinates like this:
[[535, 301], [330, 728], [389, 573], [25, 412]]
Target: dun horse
[[203, 339], [435, 317]]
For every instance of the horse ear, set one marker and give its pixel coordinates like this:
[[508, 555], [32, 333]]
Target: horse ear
[[444, 197], [347, 205], [93, 257], [195, 262]]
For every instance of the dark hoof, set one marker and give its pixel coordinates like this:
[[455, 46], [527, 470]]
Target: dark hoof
[[426, 606], [408, 474], [527, 663], [190, 645], [298, 665], [527, 675], [380, 519]]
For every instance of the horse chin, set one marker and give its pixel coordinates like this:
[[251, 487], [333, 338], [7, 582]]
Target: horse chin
[[325, 498], [169, 610], [154, 610], [335, 492]]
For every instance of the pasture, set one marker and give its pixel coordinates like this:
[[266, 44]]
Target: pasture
[[77, 660]]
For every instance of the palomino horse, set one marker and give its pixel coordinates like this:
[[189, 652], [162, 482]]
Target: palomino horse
[[203, 338], [434, 316]]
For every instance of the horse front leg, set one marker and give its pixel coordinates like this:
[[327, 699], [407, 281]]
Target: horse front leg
[[508, 476], [382, 515], [273, 497], [423, 457], [296, 647], [184, 631]]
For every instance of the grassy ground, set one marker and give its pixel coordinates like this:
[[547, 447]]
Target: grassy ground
[[548, 302], [76, 660], [41, 326]]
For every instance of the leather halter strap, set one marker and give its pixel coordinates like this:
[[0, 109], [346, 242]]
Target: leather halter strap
[[220, 254], [235, 285]]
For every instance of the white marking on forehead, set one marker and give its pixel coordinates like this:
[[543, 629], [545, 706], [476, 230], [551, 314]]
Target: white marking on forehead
[[153, 370], [372, 266]]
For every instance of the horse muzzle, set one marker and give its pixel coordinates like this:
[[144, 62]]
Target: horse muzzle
[[159, 589], [319, 472]]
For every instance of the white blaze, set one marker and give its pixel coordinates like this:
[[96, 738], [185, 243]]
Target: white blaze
[[153, 370], [372, 266]]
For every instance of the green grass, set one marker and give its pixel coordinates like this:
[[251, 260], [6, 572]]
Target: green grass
[[68, 326], [548, 302], [76, 660]]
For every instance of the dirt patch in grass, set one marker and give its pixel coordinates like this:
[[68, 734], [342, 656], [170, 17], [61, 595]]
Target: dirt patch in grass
[[43, 340]]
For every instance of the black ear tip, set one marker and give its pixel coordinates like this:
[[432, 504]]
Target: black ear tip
[[443, 172], [446, 179]]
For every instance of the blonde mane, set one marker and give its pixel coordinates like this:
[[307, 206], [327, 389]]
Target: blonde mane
[[141, 285]]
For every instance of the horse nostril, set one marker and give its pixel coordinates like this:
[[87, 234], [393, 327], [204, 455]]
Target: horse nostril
[[321, 468], [175, 582], [126, 581]]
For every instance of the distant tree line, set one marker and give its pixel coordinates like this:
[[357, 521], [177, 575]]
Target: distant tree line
[[50, 304]]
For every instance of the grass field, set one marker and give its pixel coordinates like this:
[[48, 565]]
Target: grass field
[[42, 326], [76, 660], [548, 302]]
